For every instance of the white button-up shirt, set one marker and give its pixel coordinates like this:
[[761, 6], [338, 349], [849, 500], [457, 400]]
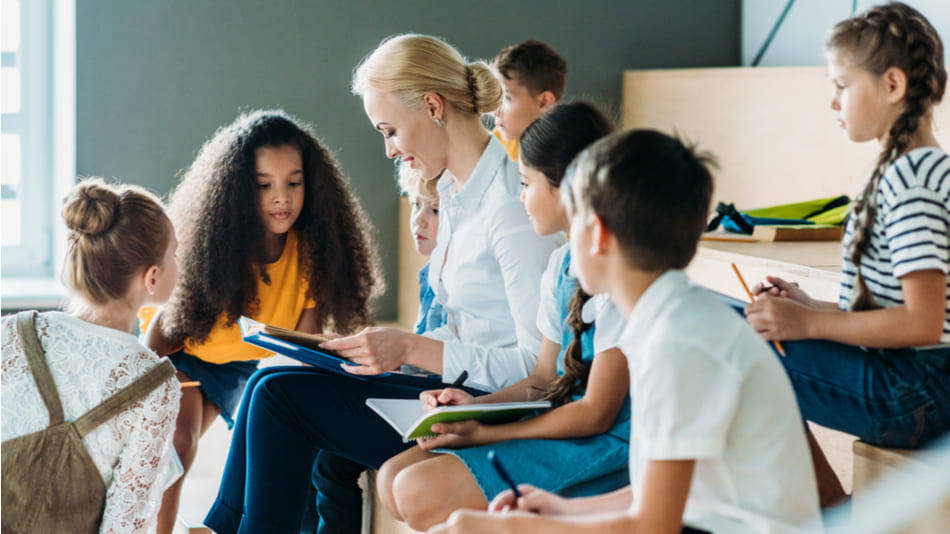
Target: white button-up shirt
[[706, 387], [486, 270]]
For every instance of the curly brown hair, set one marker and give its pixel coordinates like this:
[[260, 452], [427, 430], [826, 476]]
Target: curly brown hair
[[891, 35], [213, 207]]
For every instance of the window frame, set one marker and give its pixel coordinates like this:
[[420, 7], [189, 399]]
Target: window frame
[[46, 125]]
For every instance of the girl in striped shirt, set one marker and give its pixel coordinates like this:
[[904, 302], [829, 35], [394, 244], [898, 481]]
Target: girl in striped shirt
[[876, 363]]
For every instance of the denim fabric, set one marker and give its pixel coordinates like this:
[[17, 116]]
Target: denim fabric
[[222, 384], [431, 313], [886, 397], [289, 415]]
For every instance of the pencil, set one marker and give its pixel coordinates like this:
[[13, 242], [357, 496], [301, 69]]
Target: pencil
[[778, 344], [191, 384]]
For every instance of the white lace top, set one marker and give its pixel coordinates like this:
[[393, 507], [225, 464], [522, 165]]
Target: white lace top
[[90, 363]]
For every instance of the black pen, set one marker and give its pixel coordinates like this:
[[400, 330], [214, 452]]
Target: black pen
[[496, 463], [455, 385]]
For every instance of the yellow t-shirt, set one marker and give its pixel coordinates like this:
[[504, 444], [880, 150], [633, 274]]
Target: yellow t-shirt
[[512, 147], [281, 303]]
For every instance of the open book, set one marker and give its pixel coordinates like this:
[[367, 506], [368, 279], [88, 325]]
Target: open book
[[300, 346], [411, 421]]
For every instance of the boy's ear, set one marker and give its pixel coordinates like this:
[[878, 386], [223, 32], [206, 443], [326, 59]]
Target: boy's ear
[[545, 100], [600, 237], [895, 83], [150, 279], [434, 105]]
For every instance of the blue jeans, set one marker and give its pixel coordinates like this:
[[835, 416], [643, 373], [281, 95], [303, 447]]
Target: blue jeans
[[886, 397], [290, 418]]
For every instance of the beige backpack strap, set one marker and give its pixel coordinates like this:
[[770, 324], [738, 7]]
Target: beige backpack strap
[[36, 358], [125, 397]]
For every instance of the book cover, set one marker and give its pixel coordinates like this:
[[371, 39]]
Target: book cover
[[300, 346], [412, 421]]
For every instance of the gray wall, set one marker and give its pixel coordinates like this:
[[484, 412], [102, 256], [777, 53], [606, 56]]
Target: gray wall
[[154, 79], [800, 40]]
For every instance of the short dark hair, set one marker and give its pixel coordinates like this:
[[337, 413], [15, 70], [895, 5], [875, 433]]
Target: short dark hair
[[551, 142], [536, 65], [651, 190]]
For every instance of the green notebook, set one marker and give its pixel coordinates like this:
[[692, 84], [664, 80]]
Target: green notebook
[[412, 422]]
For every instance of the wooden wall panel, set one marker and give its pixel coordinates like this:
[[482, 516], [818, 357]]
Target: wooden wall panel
[[772, 129]]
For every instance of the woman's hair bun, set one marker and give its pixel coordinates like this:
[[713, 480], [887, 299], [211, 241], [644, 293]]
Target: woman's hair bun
[[91, 208], [484, 86]]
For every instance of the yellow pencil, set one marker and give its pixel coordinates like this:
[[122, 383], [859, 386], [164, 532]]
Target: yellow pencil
[[191, 384], [778, 344]]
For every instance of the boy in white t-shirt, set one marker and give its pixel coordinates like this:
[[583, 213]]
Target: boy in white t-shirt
[[717, 441]]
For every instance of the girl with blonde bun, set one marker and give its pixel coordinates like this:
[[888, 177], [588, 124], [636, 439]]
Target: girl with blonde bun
[[84, 367]]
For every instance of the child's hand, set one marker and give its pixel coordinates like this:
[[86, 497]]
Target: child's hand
[[532, 500], [456, 435], [779, 318], [476, 522], [782, 288], [376, 350], [448, 396]]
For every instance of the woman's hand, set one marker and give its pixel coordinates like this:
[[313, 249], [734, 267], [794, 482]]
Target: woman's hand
[[780, 318], [784, 289], [457, 435], [441, 397], [376, 350], [532, 500]]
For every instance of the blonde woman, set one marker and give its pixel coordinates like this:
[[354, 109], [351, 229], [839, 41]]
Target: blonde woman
[[426, 101]]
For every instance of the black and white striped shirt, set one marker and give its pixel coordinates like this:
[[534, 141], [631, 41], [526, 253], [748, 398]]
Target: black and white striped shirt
[[911, 230]]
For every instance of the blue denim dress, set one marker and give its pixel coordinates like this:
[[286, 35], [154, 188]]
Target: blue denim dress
[[569, 467]]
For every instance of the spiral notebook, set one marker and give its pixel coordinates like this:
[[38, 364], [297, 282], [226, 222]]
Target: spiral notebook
[[412, 421]]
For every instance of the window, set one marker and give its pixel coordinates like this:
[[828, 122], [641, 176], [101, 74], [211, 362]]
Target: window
[[37, 123]]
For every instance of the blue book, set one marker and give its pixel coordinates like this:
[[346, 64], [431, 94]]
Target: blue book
[[300, 346]]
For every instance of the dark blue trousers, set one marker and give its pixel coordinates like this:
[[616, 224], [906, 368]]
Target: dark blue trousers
[[298, 421], [886, 397]]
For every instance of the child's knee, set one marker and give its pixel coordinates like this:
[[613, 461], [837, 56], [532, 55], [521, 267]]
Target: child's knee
[[408, 489], [384, 485], [185, 442]]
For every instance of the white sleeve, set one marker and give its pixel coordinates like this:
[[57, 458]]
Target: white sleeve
[[134, 497], [549, 314], [608, 323], [685, 401], [522, 256]]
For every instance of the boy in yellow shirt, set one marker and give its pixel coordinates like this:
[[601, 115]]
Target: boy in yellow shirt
[[533, 77]]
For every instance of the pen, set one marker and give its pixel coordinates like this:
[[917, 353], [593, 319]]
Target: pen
[[778, 344], [496, 463], [455, 385]]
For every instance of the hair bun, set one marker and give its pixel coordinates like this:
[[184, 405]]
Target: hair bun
[[91, 208], [484, 86]]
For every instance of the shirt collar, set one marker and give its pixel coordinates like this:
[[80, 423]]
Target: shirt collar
[[485, 170], [651, 304]]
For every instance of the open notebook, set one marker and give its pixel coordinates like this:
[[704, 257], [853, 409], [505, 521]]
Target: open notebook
[[411, 421]]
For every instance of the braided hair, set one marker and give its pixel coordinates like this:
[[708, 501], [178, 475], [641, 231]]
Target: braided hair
[[891, 35]]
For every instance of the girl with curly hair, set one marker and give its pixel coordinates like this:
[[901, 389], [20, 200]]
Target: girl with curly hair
[[268, 228], [579, 370], [874, 364]]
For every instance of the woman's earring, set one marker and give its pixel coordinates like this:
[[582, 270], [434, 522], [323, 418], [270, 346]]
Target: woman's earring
[[439, 123]]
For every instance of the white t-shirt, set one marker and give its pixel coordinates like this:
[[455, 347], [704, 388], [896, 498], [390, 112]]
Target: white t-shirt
[[705, 386], [608, 321], [90, 363], [485, 271]]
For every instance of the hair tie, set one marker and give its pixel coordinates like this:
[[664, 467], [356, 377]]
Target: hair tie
[[470, 78]]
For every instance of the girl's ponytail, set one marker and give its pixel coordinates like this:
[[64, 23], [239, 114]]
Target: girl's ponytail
[[576, 370]]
